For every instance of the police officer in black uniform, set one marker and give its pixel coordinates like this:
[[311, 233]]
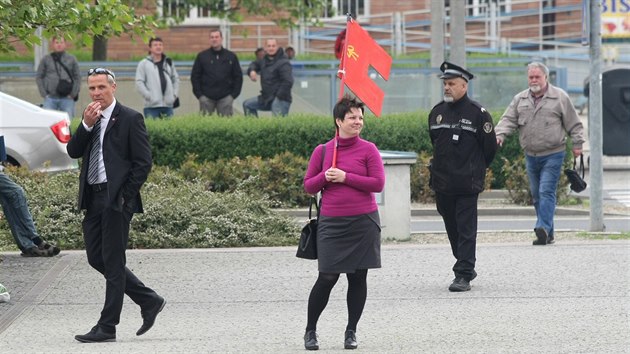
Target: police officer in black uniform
[[464, 144]]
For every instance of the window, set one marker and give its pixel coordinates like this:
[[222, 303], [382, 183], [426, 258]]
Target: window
[[339, 8], [482, 7], [192, 15]]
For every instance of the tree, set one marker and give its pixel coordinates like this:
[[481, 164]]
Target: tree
[[286, 13], [83, 21], [74, 19]]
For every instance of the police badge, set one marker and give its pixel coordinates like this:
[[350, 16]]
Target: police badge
[[487, 127]]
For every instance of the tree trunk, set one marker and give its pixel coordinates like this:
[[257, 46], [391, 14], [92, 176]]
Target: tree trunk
[[99, 49]]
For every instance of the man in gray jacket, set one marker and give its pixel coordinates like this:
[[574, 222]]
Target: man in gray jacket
[[58, 78], [276, 80], [157, 81], [543, 115]]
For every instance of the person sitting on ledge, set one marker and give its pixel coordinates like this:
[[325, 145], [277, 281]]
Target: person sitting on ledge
[[15, 208]]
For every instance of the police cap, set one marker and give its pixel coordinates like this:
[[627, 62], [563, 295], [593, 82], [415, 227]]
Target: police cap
[[451, 70]]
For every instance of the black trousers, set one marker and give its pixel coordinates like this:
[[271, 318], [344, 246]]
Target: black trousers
[[106, 233], [459, 213]]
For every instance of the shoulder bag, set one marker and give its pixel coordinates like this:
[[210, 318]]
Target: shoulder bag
[[64, 87], [307, 248], [576, 177]]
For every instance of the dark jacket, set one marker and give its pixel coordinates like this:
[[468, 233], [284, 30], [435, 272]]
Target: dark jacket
[[276, 77], [127, 158], [216, 74], [464, 145]]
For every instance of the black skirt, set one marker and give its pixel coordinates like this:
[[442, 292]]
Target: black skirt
[[348, 243]]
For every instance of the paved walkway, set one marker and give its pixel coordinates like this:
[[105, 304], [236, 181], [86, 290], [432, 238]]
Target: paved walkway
[[571, 297]]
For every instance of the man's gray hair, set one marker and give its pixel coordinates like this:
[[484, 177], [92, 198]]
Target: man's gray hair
[[539, 65]]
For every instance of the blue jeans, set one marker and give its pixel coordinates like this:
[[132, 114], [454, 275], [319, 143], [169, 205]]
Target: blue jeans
[[278, 107], [544, 174], [16, 211], [60, 104], [158, 112]]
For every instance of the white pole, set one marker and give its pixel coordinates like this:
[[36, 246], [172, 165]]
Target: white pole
[[595, 119]]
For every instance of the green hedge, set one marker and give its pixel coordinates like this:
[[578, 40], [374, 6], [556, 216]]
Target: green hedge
[[212, 138]]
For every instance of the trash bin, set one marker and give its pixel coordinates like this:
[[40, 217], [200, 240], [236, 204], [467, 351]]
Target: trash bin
[[616, 111], [394, 203]]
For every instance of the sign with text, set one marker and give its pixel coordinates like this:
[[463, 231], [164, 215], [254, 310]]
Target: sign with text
[[615, 20]]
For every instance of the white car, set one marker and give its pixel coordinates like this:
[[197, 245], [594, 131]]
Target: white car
[[34, 137]]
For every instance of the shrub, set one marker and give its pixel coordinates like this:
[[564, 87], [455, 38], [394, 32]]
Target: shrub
[[280, 177], [178, 213], [419, 180], [420, 175]]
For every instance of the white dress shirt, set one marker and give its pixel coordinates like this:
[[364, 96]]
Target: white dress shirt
[[105, 116]]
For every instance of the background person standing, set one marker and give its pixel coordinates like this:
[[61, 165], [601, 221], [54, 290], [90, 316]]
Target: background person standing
[[216, 77], [59, 78], [113, 142], [276, 81], [543, 114], [157, 81], [464, 145]]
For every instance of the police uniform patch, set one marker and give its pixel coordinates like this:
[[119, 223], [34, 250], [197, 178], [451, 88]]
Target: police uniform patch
[[487, 127], [439, 119]]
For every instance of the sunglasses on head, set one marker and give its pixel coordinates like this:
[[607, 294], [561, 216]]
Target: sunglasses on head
[[101, 71]]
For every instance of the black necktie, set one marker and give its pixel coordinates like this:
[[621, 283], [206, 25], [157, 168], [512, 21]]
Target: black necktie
[[95, 142]]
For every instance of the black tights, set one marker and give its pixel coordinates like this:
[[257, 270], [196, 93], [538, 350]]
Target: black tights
[[357, 293]]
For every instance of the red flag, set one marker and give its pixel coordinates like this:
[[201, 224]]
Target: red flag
[[360, 52]]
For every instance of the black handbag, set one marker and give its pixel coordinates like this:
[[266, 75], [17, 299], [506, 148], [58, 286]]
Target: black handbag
[[307, 248], [576, 177]]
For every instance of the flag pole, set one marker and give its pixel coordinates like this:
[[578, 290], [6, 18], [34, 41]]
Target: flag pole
[[342, 73], [342, 66]]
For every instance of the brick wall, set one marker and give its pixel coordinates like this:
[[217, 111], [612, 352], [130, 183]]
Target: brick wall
[[192, 39]]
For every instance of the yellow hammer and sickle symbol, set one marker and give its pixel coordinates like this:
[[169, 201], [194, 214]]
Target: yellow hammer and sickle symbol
[[352, 54]]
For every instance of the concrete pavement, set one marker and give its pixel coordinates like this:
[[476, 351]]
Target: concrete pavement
[[570, 297]]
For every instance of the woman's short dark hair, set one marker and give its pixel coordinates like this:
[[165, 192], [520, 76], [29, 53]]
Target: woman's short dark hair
[[344, 105]]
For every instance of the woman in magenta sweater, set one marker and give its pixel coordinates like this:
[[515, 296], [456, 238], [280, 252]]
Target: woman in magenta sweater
[[349, 232]]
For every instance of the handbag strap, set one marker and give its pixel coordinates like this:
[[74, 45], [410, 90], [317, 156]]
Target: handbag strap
[[580, 166], [58, 60], [320, 199], [318, 203], [310, 207]]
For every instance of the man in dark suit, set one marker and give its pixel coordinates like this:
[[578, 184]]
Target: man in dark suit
[[114, 144]]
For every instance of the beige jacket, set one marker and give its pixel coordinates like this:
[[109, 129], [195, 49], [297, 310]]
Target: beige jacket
[[542, 129]]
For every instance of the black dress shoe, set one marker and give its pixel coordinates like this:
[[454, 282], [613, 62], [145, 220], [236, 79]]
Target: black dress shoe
[[459, 284], [541, 237], [351, 340], [149, 315], [96, 335], [310, 340], [551, 240]]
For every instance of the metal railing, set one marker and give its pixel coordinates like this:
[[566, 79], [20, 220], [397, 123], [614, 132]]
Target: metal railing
[[412, 86]]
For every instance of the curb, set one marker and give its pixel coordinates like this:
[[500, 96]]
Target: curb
[[482, 211]]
